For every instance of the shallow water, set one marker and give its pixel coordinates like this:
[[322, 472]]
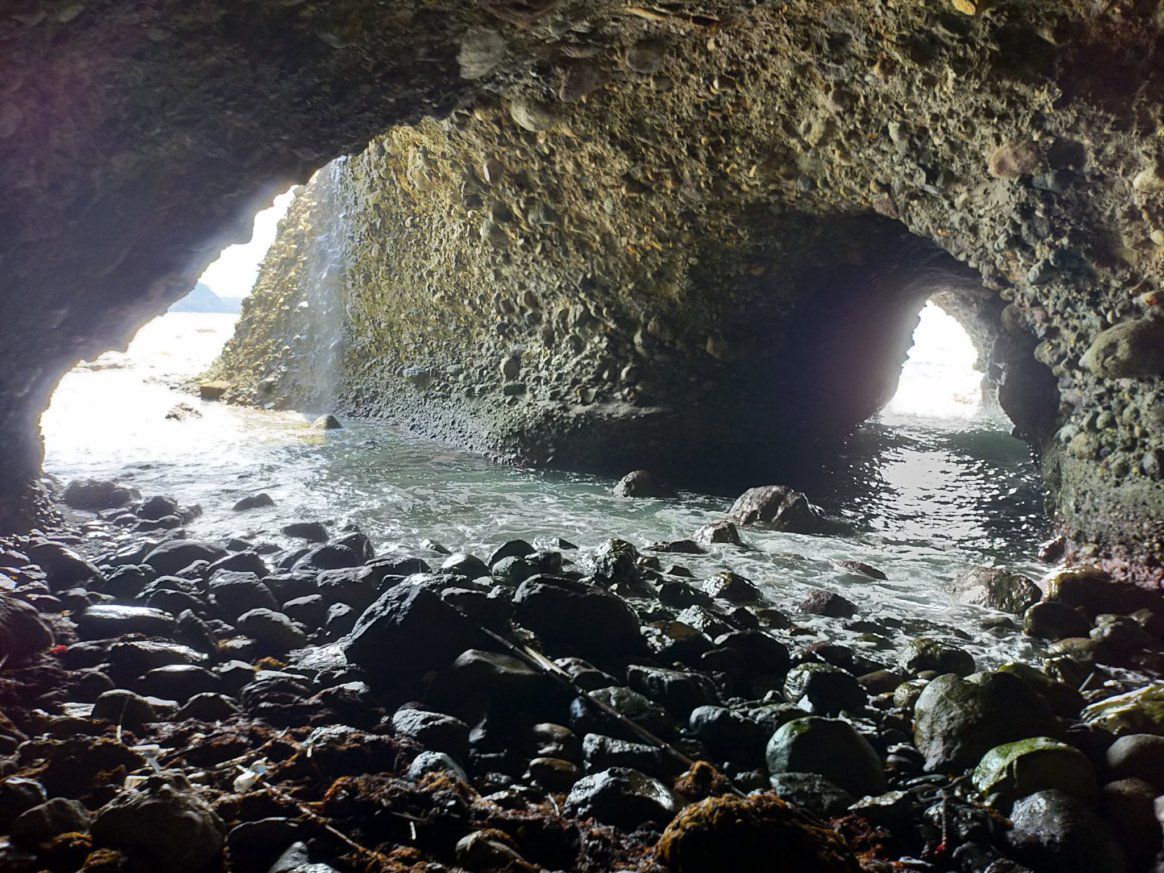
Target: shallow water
[[924, 497]]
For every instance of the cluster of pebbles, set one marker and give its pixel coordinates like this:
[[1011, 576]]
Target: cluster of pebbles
[[182, 705]]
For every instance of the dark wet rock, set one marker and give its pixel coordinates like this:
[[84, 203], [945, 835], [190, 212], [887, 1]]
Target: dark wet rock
[[254, 501], [1137, 756], [329, 556], [681, 595], [997, 588], [643, 483], [1094, 592], [409, 629], [1064, 700], [929, 654], [164, 823], [178, 682], [56, 816], [258, 844], [208, 707], [63, 567], [678, 547], [513, 571], [1135, 712], [327, 422], [17, 795], [469, 566], [173, 556], [248, 561], [731, 587], [778, 507], [828, 603], [358, 542], [812, 791], [1052, 620], [122, 707], [823, 688], [678, 691], [105, 620], [312, 531], [882, 681], [236, 592], [96, 494], [616, 562], [554, 774], [587, 718], [862, 568], [158, 507], [309, 611], [510, 549], [957, 721], [434, 762], [273, 630], [479, 679], [728, 734], [130, 581], [601, 752], [433, 730], [1128, 806], [575, 618], [762, 652], [1055, 831], [1014, 770], [621, 797], [718, 533], [830, 748], [23, 633], [757, 832], [489, 609], [341, 620]]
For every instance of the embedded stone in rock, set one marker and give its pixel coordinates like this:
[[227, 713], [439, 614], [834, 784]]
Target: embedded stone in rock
[[532, 115], [97, 494], [575, 618], [828, 603], [1020, 157], [621, 797], [173, 556], [164, 823], [481, 50], [957, 721], [1055, 831], [22, 632], [1014, 770], [830, 748], [751, 834], [1128, 350], [254, 501], [778, 507], [997, 588], [102, 621], [642, 483], [1138, 756], [409, 629], [928, 654]]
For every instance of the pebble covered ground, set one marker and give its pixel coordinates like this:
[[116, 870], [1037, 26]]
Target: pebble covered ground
[[179, 705]]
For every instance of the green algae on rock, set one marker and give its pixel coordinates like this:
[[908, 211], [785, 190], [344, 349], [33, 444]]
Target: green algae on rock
[[1136, 712], [1021, 768]]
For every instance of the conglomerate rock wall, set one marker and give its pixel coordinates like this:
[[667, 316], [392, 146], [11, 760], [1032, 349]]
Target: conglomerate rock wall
[[696, 237]]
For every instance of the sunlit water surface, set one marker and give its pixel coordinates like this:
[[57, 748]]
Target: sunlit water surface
[[924, 496]]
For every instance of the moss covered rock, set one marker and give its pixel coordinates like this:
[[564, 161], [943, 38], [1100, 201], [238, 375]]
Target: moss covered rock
[[1018, 769]]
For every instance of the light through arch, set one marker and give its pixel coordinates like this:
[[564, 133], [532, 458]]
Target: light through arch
[[939, 379]]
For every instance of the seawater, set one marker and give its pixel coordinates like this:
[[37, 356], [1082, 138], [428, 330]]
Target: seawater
[[929, 488]]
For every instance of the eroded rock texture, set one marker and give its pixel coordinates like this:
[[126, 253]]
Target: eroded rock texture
[[695, 238]]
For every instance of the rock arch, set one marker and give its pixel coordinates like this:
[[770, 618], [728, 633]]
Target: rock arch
[[630, 176]]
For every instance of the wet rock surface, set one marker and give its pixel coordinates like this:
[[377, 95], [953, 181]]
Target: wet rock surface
[[577, 721]]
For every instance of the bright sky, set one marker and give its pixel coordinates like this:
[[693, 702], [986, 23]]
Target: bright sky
[[235, 271]]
